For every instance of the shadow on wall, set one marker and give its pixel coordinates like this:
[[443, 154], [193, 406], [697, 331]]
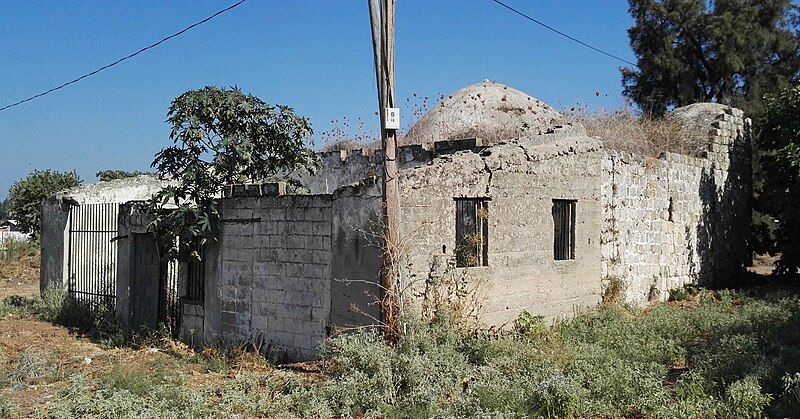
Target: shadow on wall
[[725, 192], [355, 269]]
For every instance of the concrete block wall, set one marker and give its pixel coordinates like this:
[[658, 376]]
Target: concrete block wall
[[274, 273], [676, 219]]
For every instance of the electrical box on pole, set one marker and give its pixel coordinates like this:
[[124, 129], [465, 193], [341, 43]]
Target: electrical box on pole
[[392, 118]]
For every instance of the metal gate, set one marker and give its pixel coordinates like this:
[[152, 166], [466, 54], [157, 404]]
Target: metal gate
[[92, 254], [169, 307]]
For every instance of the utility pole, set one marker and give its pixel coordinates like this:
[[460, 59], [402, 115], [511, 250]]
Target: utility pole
[[381, 14]]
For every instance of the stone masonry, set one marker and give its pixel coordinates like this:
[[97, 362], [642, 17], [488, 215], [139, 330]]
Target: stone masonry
[[678, 220]]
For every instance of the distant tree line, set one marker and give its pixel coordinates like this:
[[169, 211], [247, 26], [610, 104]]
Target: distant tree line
[[26, 196]]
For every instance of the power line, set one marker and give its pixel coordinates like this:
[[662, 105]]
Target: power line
[[182, 31], [546, 26]]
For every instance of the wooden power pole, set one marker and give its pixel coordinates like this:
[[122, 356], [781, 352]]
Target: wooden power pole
[[381, 14]]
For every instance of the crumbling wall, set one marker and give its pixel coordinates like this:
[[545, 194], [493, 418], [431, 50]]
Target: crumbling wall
[[521, 179], [287, 269], [679, 220], [345, 167]]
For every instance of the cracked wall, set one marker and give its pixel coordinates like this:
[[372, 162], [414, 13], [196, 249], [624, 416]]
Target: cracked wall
[[521, 179]]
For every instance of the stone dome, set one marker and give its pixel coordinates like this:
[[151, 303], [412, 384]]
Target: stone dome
[[490, 111]]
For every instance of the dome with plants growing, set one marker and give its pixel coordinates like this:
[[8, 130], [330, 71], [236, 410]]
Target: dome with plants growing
[[490, 111]]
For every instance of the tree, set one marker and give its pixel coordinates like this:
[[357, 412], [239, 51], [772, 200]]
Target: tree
[[780, 196], [726, 51], [26, 196], [4, 210], [107, 175], [220, 136]]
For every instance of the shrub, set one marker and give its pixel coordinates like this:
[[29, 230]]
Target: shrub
[[5, 409], [57, 306], [789, 399], [778, 194], [33, 365], [745, 399], [163, 401], [531, 326], [138, 383], [732, 356], [26, 196]]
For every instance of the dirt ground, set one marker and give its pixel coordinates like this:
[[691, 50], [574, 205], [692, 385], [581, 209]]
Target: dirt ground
[[38, 358], [19, 277]]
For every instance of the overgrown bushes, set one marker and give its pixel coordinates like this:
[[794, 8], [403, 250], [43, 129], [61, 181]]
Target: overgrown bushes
[[726, 356]]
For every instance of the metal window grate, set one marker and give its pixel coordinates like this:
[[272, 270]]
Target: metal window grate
[[564, 229], [472, 232]]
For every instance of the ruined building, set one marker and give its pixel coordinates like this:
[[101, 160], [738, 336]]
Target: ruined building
[[496, 189]]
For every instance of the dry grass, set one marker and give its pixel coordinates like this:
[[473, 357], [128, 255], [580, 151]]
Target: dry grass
[[348, 135], [19, 270], [623, 130]]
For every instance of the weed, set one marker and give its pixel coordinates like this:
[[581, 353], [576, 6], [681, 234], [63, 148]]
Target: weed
[[734, 355], [139, 383], [624, 130], [5, 409], [614, 291], [531, 326], [56, 306], [34, 365]]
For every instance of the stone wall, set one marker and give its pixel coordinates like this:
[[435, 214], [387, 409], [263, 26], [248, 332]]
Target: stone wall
[[521, 179], [288, 270], [679, 220]]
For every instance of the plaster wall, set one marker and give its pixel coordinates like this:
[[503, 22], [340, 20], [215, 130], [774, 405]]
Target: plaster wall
[[521, 179]]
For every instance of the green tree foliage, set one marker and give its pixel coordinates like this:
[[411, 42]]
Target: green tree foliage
[[726, 51], [220, 136], [26, 196], [106, 175], [4, 210], [780, 196]]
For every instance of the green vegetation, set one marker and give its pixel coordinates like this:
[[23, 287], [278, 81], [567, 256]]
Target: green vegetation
[[26, 196], [724, 355], [4, 215], [726, 51], [220, 137], [779, 197]]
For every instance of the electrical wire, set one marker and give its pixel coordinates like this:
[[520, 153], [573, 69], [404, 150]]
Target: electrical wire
[[127, 57], [546, 26]]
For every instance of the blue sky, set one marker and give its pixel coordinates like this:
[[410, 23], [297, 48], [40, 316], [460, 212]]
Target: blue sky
[[315, 56]]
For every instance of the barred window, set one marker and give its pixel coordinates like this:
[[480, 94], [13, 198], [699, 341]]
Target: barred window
[[564, 229], [196, 275], [472, 232]]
